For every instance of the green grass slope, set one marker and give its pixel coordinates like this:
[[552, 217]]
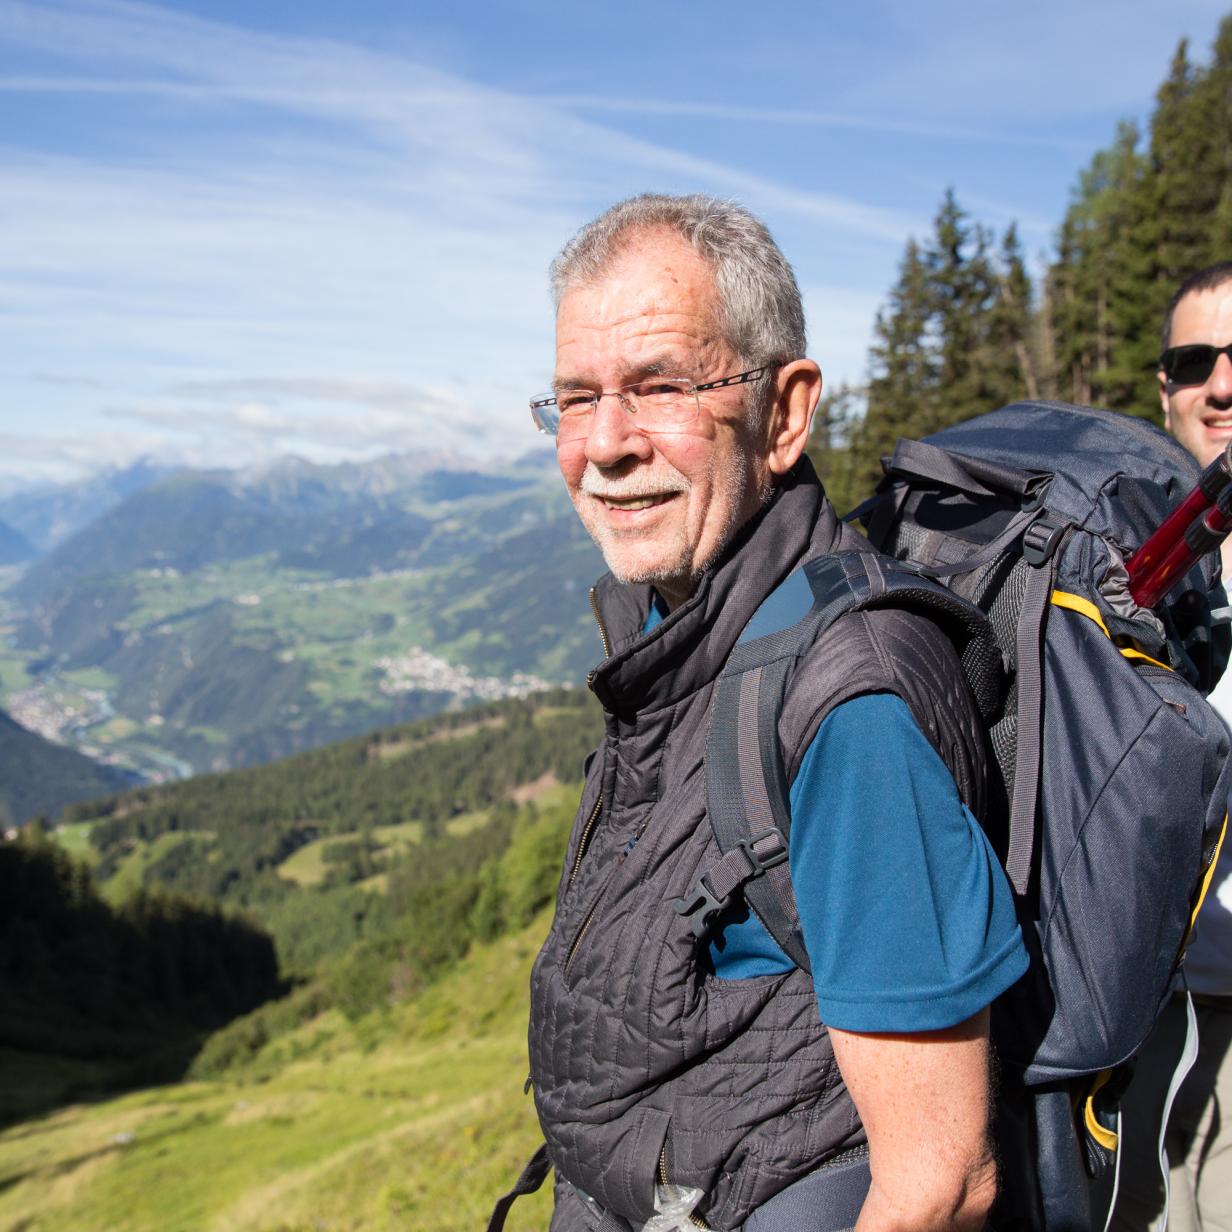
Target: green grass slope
[[412, 1118]]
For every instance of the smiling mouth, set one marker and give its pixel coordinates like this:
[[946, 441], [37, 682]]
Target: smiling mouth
[[636, 502]]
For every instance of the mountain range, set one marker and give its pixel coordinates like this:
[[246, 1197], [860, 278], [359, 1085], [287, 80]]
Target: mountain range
[[184, 620]]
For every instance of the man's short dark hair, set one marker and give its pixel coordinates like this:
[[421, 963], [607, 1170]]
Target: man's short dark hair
[[1209, 279]]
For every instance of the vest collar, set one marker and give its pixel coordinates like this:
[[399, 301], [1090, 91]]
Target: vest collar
[[689, 648]]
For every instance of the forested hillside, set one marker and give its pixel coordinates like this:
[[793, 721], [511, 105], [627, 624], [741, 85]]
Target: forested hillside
[[356, 875], [111, 996], [37, 776], [965, 329]]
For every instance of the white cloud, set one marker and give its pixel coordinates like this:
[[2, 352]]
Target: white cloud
[[369, 233], [29, 458], [378, 223], [803, 118]]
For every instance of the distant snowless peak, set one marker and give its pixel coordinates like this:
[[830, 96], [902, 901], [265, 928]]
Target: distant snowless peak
[[400, 464]]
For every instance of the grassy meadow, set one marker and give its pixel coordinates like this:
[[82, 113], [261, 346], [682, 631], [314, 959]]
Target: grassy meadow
[[411, 1118]]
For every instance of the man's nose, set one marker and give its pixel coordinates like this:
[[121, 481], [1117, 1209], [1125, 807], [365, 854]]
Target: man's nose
[[1220, 384], [614, 433]]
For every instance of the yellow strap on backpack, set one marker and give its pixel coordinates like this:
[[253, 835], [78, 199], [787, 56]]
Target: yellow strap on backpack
[[1084, 607]]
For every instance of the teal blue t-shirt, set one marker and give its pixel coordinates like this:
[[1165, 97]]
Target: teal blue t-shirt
[[906, 914]]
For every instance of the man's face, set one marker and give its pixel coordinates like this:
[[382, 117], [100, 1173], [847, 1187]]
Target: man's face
[[661, 507], [1200, 416]]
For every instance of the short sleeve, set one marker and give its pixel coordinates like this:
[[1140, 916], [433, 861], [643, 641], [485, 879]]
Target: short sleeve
[[907, 917]]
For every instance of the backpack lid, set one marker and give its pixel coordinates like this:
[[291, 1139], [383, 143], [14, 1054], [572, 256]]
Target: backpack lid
[[1114, 474]]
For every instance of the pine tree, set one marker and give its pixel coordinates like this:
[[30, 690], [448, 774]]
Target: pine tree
[[903, 373], [1213, 99], [829, 444], [953, 341], [966, 288], [1011, 345], [1099, 283]]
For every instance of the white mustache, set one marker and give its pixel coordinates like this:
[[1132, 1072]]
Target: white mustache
[[637, 484]]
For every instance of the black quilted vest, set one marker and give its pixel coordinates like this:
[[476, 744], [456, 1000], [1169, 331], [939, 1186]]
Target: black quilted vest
[[645, 1066]]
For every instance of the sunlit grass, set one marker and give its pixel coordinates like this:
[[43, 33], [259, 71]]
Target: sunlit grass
[[306, 865], [411, 1120]]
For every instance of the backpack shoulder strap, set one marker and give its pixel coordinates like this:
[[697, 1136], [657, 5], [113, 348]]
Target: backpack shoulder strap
[[746, 782]]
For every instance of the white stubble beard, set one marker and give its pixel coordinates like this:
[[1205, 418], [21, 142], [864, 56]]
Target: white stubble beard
[[675, 565]]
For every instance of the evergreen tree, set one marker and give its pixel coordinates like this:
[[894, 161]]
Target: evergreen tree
[[829, 444], [1139, 223], [964, 289], [954, 341], [1213, 101], [1012, 357], [1098, 284], [903, 370]]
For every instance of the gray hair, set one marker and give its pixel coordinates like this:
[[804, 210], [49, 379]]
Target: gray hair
[[759, 309]]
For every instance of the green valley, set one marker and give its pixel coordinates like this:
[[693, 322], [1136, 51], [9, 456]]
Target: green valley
[[219, 619]]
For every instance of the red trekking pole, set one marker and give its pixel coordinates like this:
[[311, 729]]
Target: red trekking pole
[[1182, 548], [1210, 483]]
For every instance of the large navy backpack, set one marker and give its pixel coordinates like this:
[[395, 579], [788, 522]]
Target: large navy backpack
[[1108, 800]]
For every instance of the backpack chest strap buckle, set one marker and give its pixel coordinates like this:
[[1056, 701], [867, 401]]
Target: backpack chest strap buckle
[[714, 890]]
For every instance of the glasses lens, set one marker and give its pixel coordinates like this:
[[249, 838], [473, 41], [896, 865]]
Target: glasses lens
[[662, 404], [544, 412], [575, 412], [1190, 365]]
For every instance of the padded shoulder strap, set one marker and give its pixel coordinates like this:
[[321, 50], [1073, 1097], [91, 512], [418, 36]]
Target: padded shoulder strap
[[746, 783]]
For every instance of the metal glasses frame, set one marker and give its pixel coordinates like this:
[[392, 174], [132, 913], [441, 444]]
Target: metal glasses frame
[[739, 378]]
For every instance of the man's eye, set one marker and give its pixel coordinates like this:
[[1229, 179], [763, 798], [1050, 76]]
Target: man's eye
[[574, 400], [659, 389]]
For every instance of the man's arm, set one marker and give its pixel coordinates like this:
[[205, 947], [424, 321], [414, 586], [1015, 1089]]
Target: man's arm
[[925, 1103]]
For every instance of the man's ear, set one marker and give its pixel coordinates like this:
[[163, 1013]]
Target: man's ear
[[1163, 399], [798, 389]]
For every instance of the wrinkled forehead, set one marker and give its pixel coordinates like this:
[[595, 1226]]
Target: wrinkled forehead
[[655, 303]]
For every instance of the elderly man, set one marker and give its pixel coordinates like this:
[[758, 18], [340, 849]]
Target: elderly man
[[1195, 391], [715, 1073]]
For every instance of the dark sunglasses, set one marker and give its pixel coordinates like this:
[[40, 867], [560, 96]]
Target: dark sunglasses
[[1193, 364]]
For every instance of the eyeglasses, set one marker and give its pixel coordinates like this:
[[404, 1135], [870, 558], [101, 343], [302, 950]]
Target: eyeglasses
[[1192, 364], [658, 404]]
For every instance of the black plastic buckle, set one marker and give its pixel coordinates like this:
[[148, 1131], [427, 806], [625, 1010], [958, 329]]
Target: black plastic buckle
[[762, 862], [701, 904], [1041, 539]]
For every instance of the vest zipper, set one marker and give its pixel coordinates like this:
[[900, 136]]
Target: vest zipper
[[577, 941], [584, 841], [693, 1219], [607, 645], [583, 844]]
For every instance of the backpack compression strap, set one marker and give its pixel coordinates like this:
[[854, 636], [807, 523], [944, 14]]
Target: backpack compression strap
[[746, 782], [533, 1175]]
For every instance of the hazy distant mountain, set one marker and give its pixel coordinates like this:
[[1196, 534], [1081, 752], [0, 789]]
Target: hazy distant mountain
[[315, 517], [37, 776], [15, 548], [221, 618], [47, 515]]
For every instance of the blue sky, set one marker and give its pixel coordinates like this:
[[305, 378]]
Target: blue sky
[[230, 231]]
